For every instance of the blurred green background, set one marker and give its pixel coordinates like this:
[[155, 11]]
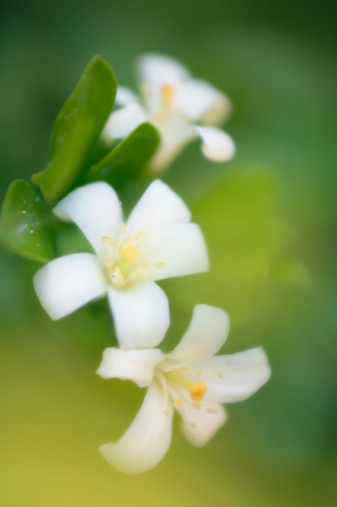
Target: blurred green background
[[269, 217]]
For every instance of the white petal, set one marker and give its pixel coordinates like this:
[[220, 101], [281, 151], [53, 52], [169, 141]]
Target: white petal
[[217, 145], [159, 206], [200, 101], [141, 315], [125, 96], [205, 335], [123, 121], [135, 365], [158, 70], [175, 133], [234, 377], [69, 282], [96, 210], [200, 421], [148, 438], [175, 250]]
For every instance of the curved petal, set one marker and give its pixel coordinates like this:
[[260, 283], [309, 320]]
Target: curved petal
[[69, 282], [141, 315], [205, 335], [123, 121], [96, 210], [159, 70], [200, 421], [159, 206], [200, 101], [135, 365], [234, 377], [175, 250], [217, 145], [125, 96], [148, 438]]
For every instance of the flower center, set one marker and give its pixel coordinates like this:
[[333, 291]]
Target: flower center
[[197, 390], [167, 92], [124, 263]]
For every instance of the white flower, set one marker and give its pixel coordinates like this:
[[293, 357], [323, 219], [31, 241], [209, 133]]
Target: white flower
[[188, 379], [158, 241], [175, 103]]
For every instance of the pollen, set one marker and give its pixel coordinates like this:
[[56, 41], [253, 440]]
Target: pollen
[[129, 252], [166, 412], [177, 403], [192, 424], [197, 390], [167, 92], [160, 265], [220, 375], [109, 240]]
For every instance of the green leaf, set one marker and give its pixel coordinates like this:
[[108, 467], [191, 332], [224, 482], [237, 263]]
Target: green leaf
[[128, 158], [22, 228], [77, 128]]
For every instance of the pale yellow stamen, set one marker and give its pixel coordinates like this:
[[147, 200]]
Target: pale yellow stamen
[[124, 228], [160, 265], [197, 390], [167, 92], [196, 405], [140, 235], [129, 252], [116, 277], [166, 412], [109, 240], [220, 375], [192, 424], [177, 403], [211, 411]]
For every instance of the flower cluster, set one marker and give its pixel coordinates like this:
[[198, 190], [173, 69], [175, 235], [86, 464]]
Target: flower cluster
[[131, 255]]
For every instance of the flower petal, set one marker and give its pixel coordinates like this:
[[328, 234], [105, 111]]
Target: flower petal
[[123, 121], [200, 101], [69, 282], [96, 210], [175, 250], [148, 438], [135, 365], [141, 315], [159, 206], [205, 335], [158, 70], [217, 145], [125, 96], [234, 377], [200, 421]]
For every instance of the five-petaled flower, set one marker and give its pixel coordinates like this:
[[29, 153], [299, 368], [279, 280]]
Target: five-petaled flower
[[182, 108], [188, 379], [157, 241]]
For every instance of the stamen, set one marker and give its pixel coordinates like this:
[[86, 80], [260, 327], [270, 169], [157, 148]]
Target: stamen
[[160, 265], [192, 424], [167, 92], [197, 390], [177, 403], [109, 240], [140, 235], [166, 412], [211, 411], [124, 228], [196, 405], [199, 372], [116, 277], [220, 375]]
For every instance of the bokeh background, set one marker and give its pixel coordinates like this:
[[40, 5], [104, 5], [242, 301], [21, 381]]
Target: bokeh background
[[269, 217]]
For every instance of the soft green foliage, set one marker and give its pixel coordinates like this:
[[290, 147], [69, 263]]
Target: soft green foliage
[[77, 128], [128, 158], [22, 226]]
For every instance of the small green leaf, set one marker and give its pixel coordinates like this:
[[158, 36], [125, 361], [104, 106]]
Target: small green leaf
[[128, 158], [77, 128], [22, 228]]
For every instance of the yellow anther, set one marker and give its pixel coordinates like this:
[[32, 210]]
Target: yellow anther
[[196, 405], [220, 375], [129, 252], [124, 228], [109, 240], [197, 390], [140, 235], [166, 412], [211, 411], [160, 265], [192, 424], [116, 277], [167, 92], [177, 403]]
